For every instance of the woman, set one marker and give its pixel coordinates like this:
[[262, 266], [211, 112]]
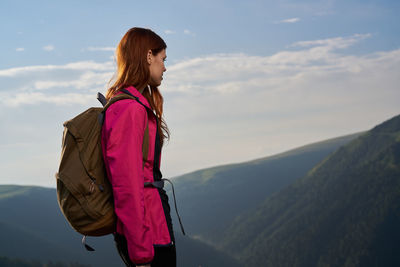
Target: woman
[[144, 235]]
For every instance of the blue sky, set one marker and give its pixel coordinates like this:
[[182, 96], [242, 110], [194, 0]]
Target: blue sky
[[245, 79]]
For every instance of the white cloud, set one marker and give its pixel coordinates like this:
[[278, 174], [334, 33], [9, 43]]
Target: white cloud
[[169, 32], [52, 83], [48, 48], [203, 74], [20, 49], [338, 42], [86, 80], [95, 48], [188, 32], [36, 98], [291, 20], [80, 65]]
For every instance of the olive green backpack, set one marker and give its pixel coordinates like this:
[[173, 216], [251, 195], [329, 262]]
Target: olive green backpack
[[84, 193]]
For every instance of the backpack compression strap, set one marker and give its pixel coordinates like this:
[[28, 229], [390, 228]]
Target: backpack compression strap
[[160, 185]]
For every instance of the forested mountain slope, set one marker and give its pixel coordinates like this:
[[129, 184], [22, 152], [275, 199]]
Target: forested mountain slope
[[344, 212]]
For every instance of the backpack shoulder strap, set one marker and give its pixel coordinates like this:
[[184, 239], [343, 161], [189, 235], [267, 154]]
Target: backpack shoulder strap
[[127, 95], [118, 98], [146, 138]]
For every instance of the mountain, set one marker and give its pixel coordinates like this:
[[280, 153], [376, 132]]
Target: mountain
[[33, 228], [344, 212], [210, 199]]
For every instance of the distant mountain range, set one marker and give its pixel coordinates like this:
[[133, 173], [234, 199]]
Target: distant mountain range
[[332, 203]]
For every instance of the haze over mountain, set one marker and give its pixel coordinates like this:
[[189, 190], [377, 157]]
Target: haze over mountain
[[210, 199]]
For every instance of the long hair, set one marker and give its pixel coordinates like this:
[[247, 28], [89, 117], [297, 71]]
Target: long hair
[[133, 69]]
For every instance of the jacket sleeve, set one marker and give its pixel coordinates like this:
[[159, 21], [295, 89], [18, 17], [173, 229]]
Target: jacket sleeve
[[123, 137]]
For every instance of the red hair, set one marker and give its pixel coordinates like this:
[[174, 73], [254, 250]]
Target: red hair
[[133, 69]]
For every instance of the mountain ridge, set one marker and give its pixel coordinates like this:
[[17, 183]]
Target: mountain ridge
[[285, 153]]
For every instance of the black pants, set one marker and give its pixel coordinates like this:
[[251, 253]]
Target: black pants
[[163, 256]]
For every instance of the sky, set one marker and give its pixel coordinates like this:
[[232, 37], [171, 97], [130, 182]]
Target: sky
[[244, 80]]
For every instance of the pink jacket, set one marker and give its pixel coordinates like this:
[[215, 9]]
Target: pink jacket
[[141, 216]]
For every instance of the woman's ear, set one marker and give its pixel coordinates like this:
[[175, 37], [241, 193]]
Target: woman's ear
[[149, 56]]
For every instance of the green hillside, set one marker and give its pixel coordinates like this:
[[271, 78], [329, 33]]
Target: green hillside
[[345, 212], [7, 191], [20, 243], [7, 262], [33, 229], [210, 199], [32, 222]]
